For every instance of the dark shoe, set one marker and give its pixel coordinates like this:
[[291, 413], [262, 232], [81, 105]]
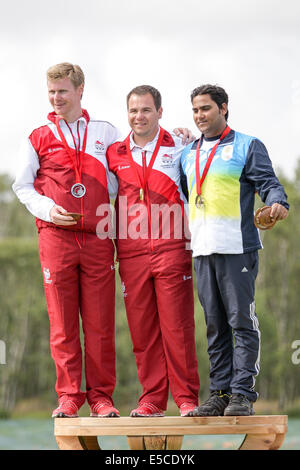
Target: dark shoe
[[239, 405], [215, 405]]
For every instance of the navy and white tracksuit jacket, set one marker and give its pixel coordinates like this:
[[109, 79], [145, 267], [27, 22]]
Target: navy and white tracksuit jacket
[[224, 241]]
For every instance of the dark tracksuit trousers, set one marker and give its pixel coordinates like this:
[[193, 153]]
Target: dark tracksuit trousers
[[226, 286]]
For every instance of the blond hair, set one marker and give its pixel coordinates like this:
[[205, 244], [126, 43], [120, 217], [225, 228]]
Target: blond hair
[[66, 70]]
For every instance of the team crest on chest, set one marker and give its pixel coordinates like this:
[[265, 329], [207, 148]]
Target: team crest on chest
[[99, 147], [167, 161], [227, 152]]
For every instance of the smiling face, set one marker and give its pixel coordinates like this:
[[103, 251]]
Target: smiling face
[[143, 117], [65, 98], [208, 117]]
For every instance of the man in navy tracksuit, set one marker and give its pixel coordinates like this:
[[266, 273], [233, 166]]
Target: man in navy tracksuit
[[224, 169]]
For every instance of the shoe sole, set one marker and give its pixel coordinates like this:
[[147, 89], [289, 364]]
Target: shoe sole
[[109, 415], [154, 415], [241, 413], [63, 415], [203, 414]]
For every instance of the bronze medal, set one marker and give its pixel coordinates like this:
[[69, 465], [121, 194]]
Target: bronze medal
[[199, 201]]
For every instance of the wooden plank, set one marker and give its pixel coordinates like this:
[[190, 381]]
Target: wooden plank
[[278, 441], [174, 442], [155, 442], [170, 421], [174, 421], [136, 442], [192, 426], [90, 442], [162, 430], [258, 442], [70, 443]]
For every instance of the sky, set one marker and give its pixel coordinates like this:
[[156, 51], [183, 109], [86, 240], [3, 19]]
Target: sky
[[249, 47]]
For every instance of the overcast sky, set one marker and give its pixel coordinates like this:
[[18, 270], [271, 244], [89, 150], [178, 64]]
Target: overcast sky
[[250, 47]]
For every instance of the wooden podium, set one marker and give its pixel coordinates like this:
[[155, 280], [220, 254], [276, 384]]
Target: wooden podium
[[261, 432]]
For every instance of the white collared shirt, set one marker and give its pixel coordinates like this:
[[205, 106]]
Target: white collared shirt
[[137, 151]]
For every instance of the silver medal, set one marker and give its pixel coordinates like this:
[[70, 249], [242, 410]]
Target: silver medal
[[78, 190]]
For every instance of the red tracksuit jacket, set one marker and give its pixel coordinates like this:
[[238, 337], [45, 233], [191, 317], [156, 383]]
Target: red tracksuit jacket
[[158, 222]]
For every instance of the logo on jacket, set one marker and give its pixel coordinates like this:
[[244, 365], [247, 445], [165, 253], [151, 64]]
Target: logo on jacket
[[167, 161], [51, 150], [123, 289], [47, 275], [124, 167], [99, 146], [227, 152]]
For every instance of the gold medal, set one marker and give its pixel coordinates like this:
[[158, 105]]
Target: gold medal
[[142, 182], [199, 201]]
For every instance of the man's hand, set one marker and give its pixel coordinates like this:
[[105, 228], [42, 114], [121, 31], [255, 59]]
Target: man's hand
[[59, 217], [186, 135], [278, 212]]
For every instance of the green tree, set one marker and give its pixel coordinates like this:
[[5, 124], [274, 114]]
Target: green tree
[[278, 301], [15, 218]]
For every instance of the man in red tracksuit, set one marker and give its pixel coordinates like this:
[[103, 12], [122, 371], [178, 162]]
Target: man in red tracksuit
[[154, 262], [63, 170]]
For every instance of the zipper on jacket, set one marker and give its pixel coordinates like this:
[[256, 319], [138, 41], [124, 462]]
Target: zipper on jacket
[[146, 199]]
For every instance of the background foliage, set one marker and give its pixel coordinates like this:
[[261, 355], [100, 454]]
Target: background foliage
[[29, 371]]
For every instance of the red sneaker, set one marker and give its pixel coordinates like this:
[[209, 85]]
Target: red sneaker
[[146, 410], [104, 409], [186, 409], [66, 409]]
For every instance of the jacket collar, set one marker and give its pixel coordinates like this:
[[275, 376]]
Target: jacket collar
[[227, 139], [55, 118], [167, 141]]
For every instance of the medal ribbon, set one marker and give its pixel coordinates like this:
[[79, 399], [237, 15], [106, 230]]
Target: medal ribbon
[[199, 181], [77, 161], [133, 165]]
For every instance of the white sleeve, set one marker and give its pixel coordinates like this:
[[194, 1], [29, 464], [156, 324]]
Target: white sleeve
[[28, 166], [112, 180], [112, 184]]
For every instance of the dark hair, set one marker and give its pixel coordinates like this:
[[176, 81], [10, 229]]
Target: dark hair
[[217, 94], [144, 90]]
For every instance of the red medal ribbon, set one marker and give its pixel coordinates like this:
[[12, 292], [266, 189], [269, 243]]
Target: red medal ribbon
[[133, 164], [77, 161], [199, 181]]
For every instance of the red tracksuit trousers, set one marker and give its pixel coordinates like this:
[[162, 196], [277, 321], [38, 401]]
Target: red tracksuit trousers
[[159, 300], [79, 276]]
